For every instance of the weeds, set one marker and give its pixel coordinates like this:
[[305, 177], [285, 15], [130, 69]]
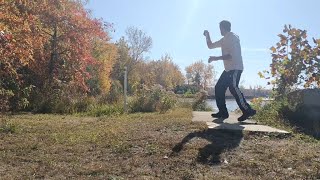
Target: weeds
[[277, 114], [155, 99], [7, 127], [105, 110], [200, 103], [271, 113]]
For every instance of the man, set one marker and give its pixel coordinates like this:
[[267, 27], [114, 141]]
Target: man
[[233, 65]]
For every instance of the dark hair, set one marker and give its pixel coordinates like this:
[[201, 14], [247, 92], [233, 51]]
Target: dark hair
[[225, 25]]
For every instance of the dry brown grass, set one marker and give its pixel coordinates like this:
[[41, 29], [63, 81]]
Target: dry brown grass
[[147, 146]]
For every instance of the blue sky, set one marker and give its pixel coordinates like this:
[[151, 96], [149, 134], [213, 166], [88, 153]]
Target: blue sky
[[176, 27]]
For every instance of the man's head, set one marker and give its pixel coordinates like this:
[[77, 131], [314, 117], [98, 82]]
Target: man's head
[[225, 27]]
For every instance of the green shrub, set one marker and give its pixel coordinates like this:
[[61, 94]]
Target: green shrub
[[200, 103], [155, 99], [82, 104], [272, 113], [189, 94], [64, 105], [257, 104], [105, 110], [65, 98], [115, 95], [6, 127], [168, 102], [282, 113], [62, 99], [5, 95], [14, 93]]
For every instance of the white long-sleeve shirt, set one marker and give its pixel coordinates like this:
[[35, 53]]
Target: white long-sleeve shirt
[[230, 44]]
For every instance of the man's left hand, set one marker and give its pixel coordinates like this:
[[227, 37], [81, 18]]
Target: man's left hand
[[213, 58]]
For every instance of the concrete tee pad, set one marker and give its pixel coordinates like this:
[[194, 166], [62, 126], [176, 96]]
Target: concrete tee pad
[[232, 123]]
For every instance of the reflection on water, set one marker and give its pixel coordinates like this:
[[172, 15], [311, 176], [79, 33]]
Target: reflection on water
[[231, 104]]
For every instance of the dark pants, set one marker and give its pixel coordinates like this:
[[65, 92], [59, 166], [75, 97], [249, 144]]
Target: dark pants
[[230, 80]]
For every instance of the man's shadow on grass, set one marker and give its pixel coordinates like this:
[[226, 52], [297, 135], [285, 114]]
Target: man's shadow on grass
[[220, 141]]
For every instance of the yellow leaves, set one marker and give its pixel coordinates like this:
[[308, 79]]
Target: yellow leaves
[[261, 75], [286, 60], [283, 39], [105, 53], [307, 84], [282, 36], [305, 55], [200, 73], [293, 46], [273, 49], [297, 32], [293, 58], [294, 32], [316, 41]]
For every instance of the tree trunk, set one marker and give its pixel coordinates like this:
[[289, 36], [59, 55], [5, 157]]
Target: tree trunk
[[53, 57]]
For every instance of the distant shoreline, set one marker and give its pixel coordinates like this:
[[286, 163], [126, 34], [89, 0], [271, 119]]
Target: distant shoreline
[[228, 97], [231, 97]]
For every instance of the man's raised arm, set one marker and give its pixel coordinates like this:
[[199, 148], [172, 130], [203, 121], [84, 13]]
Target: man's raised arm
[[209, 42]]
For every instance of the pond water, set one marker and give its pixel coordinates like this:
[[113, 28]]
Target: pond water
[[231, 104]]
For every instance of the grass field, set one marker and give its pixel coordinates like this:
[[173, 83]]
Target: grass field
[[147, 146]]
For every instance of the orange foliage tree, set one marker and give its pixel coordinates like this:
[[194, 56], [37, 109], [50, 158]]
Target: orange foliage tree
[[71, 35], [105, 54], [295, 62], [200, 74], [46, 43], [157, 72], [18, 43]]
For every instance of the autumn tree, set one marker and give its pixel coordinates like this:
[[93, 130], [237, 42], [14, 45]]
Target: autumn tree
[[164, 72], [19, 42], [131, 50], [122, 59], [71, 35], [45, 44], [171, 73], [200, 74], [100, 72], [295, 62]]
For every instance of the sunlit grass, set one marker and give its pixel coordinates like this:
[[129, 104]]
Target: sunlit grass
[[141, 145]]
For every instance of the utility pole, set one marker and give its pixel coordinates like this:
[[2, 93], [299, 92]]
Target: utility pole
[[125, 85]]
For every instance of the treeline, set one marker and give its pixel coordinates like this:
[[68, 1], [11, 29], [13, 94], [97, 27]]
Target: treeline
[[54, 56]]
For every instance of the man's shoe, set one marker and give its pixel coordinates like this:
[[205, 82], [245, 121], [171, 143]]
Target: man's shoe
[[220, 115], [247, 114]]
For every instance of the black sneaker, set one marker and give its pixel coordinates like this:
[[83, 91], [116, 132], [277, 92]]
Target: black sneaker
[[247, 114], [220, 115]]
